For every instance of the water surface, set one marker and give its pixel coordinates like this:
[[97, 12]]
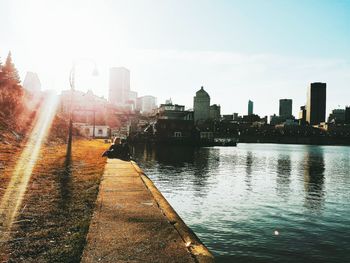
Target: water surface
[[259, 202]]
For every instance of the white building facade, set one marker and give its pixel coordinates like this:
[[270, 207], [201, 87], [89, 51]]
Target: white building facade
[[101, 131], [119, 86]]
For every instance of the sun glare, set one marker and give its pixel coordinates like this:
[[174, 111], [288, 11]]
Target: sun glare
[[12, 199], [58, 32]]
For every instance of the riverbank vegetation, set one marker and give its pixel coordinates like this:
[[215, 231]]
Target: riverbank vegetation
[[54, 215]]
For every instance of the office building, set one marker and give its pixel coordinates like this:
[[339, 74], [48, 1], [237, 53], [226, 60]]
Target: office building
[[132, 99], [201, 105], [302, 115], [146, 104], [215, 112], [347, 115], [250, 107], [119, 86], [337, 116], [285, 109], [316, 103]]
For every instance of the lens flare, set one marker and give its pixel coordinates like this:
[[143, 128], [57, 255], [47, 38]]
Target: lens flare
[[16, 189]]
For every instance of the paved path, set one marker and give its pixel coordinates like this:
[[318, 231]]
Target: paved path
[[133, 222]]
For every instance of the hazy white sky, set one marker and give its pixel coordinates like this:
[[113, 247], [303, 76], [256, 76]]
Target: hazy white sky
[[238, 50]]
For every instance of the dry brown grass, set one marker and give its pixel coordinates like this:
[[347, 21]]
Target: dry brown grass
[[55, 215], [9, 153]]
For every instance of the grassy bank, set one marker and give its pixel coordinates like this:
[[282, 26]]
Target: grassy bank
[[55, 214]]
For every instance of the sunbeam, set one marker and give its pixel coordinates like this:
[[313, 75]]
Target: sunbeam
[[16, 189]]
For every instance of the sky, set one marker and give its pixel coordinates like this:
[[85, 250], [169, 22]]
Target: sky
[[262, 50]]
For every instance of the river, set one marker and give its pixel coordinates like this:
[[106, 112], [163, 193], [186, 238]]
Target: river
[[259, 202]]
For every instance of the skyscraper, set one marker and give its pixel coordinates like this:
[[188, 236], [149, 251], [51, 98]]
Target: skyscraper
[[302, 115], [347, 115], [146, 104], [119, 86], [201, 105], [250, 107], [316, 103], [285, 108], [215, 112], [132, 99]]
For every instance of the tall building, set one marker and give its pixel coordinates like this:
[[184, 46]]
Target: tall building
[[201, 105], [347, 115], [215, 112], [250, 107], [132, 99], [146, 104], [316, 103], [302, 115], [119, 86], [285, 107], [32, 82]]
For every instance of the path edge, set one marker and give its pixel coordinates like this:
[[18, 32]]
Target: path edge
[[194, 245]]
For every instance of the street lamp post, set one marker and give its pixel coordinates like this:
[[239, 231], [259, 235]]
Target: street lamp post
[[72, 88], [94, 121]]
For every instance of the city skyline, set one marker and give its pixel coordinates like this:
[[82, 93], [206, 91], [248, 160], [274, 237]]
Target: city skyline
[[231, 48], [174, 131]]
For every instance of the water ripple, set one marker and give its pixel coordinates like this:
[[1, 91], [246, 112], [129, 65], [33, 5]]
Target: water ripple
[[259, 202]]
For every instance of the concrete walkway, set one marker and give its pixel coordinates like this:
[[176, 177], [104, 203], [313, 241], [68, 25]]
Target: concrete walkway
[[133, 222]]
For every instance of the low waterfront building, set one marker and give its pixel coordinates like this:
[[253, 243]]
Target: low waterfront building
[[170, 123], [174, 111], [172, 130], [97, 131]]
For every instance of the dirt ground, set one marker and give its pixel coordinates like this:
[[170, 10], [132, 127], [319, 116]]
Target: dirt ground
[[55, 214]]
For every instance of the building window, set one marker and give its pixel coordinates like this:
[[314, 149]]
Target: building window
[[206, 135], [100, 131], [177, 134]]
